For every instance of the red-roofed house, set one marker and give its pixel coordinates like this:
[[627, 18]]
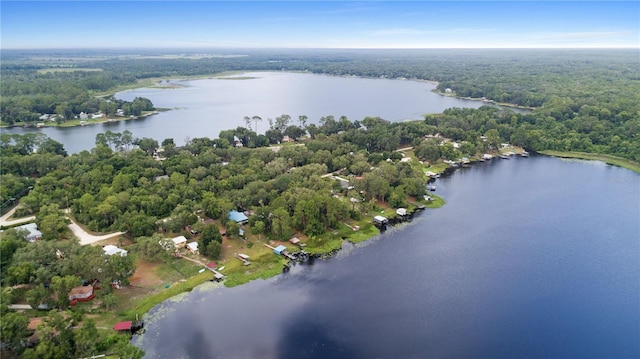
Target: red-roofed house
[[81, 294], [123, 326]]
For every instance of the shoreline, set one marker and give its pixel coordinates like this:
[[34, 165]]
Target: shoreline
[[78, 123], [608, 159], [269, 267], [482, 99], [156, 83]]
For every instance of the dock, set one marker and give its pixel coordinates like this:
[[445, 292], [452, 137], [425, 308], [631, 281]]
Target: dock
[[281, 250]]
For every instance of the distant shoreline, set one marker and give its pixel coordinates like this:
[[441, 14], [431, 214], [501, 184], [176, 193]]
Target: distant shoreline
[[608, 159]]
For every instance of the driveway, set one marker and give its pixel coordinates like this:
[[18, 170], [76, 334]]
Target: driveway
[[6, 223], [86, 238]]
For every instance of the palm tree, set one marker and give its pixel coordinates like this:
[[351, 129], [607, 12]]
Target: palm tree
[[255, 121]]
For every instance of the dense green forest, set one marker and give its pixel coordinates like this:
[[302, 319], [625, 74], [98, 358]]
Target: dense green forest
[[585, 100]]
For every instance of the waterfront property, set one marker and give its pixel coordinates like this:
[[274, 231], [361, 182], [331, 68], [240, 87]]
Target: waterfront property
[[380, 222]]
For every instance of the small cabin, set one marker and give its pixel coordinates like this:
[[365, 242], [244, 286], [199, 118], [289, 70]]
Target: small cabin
[[279, 249], [380, 220], [179, 241], [193, 247], [401, 212]]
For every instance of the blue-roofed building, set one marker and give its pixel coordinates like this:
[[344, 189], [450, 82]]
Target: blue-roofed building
[[279, 249], [238, 217]]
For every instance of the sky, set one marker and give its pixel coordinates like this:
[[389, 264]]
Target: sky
[[319, 24]]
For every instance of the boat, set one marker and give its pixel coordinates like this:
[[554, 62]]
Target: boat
[[524, 154], [221, 268]]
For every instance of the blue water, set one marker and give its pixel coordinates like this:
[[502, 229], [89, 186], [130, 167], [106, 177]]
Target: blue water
[[203, 108], [530, 258]]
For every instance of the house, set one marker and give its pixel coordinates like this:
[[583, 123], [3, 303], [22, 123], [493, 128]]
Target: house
[[380, 222], [286, 138], [193, 247], [401, 212], [110, 250], [81, 294], [279, 249], [448, 90], [33, 233], [237, 142], [238, 217], [179, 242]]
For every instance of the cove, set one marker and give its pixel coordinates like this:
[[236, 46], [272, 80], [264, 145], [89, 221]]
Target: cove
[[530, 257], [204, 107]]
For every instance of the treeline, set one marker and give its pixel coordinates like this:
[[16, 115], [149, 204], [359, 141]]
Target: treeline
[[605, 78]]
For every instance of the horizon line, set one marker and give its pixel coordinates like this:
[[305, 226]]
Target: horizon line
[[322, 48]]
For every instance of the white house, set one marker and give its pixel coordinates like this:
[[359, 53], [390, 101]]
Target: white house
[[193, 247], [179, 241], [33, 233], [110, 250]]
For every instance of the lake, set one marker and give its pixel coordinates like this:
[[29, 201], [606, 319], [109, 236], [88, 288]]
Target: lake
[[531, 257], [203, 108]]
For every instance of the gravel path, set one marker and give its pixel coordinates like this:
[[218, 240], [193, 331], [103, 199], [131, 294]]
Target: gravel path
[[86, 238]]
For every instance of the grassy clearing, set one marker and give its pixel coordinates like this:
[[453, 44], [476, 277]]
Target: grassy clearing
[[365, 232], [144, 305], [436, 203], [438, 167], [262, 266], [612, 160]]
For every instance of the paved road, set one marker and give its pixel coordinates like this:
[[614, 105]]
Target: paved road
[[6, 223]]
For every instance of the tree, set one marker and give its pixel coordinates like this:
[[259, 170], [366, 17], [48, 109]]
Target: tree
[[209, 234], [303, 121], [255, 120], [148, 145], [212, 250], [62, 286], [110, 301], [84, 339], [51, 146], [51, 222], [13, 327], [258, 228], [153, 248]]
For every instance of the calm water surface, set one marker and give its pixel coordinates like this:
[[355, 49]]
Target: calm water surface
[[203, 108], [535, 258]]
